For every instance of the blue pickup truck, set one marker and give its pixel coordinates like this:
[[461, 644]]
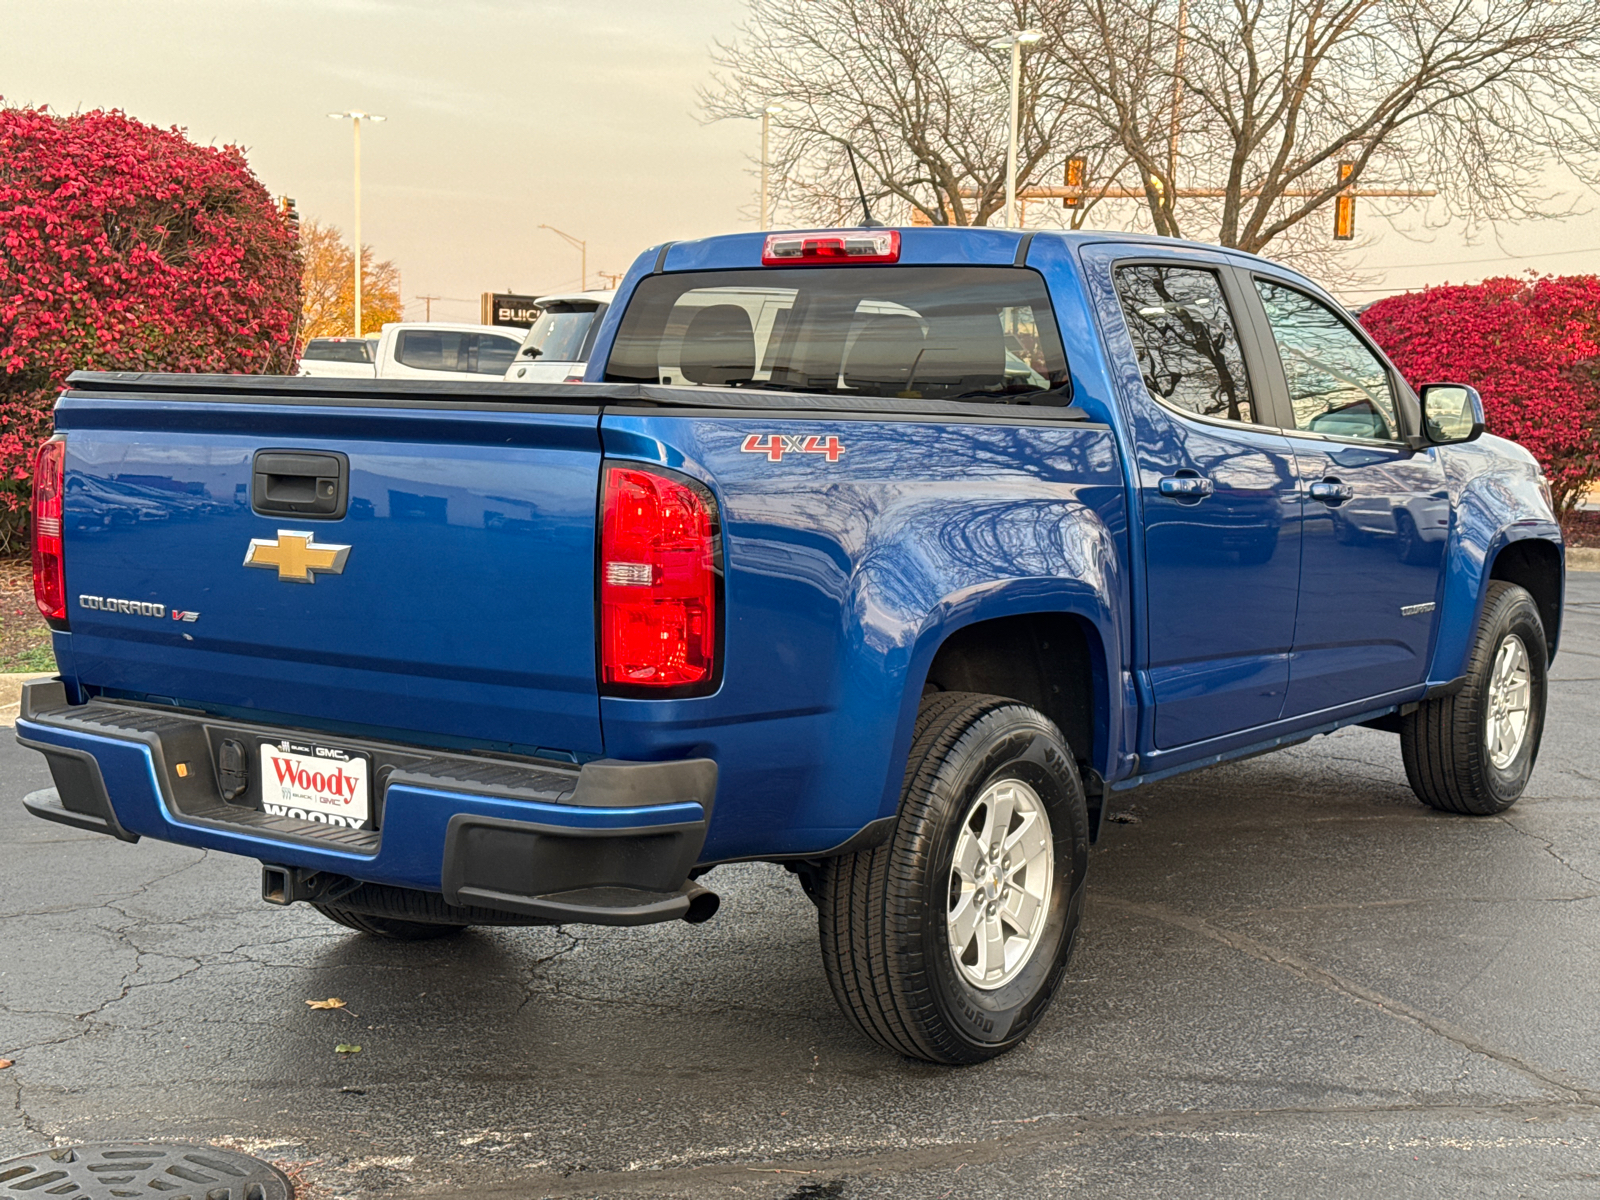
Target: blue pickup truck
[[886, 555]]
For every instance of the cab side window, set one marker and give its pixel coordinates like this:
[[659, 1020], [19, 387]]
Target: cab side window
[[1185, 338], [1336, 385]]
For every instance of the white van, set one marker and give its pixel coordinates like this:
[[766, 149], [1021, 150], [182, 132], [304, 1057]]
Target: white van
[[556, 349]]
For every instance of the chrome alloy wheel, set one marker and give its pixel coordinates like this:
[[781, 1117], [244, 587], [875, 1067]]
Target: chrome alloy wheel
[[1505, 725], [1000, 884]]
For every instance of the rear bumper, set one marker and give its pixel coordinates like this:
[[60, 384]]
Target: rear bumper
[[610, 842]]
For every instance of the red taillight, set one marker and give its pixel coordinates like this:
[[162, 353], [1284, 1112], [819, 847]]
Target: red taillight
[[49, 489], [835, 246], [658, 582]]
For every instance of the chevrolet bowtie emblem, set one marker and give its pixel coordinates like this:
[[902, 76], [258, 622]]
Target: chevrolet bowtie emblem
[[296, 556]]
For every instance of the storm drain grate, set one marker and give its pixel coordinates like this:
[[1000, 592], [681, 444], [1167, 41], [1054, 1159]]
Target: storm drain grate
[[154, 1172]]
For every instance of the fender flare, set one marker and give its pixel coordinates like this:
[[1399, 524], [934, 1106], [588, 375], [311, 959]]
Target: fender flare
[[1052, 596], [1466, 589]]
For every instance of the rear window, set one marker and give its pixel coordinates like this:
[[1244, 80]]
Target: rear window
[[561, 331], [448, 350], [946, 333], [348, 350]]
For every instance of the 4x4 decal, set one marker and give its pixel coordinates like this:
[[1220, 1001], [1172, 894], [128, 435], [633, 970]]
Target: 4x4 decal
[[776, 445]]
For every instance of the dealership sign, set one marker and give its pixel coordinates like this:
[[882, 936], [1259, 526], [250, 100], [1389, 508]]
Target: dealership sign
[[504, 308]]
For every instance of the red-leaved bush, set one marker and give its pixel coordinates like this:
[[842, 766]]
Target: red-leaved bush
[[1531, 346], [127, 247]]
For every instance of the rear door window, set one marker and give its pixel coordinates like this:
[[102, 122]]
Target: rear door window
[[947, 333], [494, 354], [452, 350], [349, 350], [1186, 340]]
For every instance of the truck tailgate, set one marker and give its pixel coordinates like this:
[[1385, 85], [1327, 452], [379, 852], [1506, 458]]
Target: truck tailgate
[[452, 603]]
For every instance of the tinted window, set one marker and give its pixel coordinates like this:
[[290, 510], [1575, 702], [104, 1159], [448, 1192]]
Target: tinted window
[[558, 334], [494, 354], [338, 350], [1186, 341], [968, 333], [1336, 385], [449, 350]]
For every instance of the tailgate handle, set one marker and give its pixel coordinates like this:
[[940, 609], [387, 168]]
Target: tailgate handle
[[300, 483]]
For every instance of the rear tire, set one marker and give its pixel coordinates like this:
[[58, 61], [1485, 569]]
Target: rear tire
[[991, 810], [390, 928], [1470, 752]]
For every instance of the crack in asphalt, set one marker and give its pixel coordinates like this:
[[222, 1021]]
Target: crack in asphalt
[[112, 901], [1549, 848], [1044, 1131], [23, 1117], [1398, 1009], [87, 1021], [550, 987], [1410, 902]]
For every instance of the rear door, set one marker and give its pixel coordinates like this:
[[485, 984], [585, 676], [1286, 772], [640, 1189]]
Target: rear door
[[423, 572], [1216, 482]]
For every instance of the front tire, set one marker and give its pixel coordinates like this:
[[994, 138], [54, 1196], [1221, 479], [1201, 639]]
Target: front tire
[[1473, 752], [947, 942]]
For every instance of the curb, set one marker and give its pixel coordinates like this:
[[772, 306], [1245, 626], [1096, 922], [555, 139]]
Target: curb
[[1582, 559], [11, 692]]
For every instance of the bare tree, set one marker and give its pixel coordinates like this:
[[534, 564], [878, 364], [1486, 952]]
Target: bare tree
[[913, 86], [1220, 120], [1472, 98]]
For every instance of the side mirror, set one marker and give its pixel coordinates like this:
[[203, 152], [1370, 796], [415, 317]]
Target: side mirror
[[1451, 413]]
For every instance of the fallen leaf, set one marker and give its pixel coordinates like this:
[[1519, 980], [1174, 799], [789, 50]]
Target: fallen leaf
[[346, 1048], [330, 1002], [4, 1063]]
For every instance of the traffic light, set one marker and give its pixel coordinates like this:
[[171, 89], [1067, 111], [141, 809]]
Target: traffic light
[[1077, 173], [1344, 207], [291, 218]]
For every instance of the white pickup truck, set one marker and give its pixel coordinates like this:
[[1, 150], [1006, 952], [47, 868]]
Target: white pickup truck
[[415, 350]]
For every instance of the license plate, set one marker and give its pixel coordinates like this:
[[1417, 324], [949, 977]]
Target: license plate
[[314, 783]]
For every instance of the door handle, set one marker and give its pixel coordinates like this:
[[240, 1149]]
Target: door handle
[[300, 483], [1332, 491], [1186, 487]]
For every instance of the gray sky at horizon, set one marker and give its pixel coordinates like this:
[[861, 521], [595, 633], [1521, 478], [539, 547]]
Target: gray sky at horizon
[[505, 114]]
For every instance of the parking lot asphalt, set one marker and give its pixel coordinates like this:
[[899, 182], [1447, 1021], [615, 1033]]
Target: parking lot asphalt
[[1293, 979]]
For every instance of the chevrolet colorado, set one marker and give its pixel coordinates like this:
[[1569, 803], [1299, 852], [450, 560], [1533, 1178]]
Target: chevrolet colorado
[[883, 554]]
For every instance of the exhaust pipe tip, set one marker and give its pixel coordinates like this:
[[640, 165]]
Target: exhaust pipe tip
[[703, 905]]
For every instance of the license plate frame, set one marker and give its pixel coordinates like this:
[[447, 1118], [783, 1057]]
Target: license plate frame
[[300, 778]]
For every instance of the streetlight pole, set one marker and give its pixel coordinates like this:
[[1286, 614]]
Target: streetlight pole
[[1014, 42], [356, 116], [583, 251], [766, 125]]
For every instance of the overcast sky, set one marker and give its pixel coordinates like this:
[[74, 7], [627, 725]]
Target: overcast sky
[[505, 114]]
